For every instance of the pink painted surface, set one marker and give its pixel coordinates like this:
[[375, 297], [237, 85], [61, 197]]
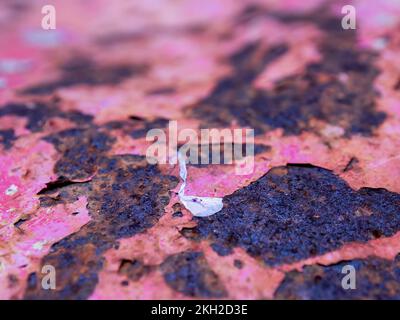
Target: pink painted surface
[[191, 63]]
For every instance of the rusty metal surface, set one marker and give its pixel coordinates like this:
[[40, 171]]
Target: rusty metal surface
[[78, 193]]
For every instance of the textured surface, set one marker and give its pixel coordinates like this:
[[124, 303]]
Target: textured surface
[[295, 212], [77, 192], [377, 279]]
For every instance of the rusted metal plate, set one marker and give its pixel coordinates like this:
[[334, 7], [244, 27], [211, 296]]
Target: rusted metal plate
[[78, 193]]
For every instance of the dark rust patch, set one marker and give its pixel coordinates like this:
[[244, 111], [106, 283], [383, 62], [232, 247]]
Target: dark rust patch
[[351, 164], [38, 113], [222, 250], [76, 271], [125, 197], [204, 154], [338, 90], [234, 98], [238, 264], [162, 91], [21, 221], [134, 270], [190, 233], [7, 138], [84, 71], [137, 127], [141, 128], [189, 273], [61, 182], [295, 212], [82, 151], [375, 279], [177, 214], [177, 210]]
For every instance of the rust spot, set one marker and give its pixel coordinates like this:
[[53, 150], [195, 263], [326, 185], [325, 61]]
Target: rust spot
[[222, 250], [61, 182], [21, 220], [134, 270], [238, 263], [141, 129], [38, 113], [177, 210], [375, 279], [177, 206], [190, 233], [189, 273], [125, 197], [84, 71], [137, 127], [82, 151], [206, 153], [7, 138], [162, 91], [295, 212], [351, 164], [338, 90], [233, 98]]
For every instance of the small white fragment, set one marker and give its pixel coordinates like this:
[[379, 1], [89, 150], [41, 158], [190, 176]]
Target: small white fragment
[[198, 206], [13, 189], [39, 245]]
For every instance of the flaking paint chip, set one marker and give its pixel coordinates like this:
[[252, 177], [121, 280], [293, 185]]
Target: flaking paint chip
[[198, 206]]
